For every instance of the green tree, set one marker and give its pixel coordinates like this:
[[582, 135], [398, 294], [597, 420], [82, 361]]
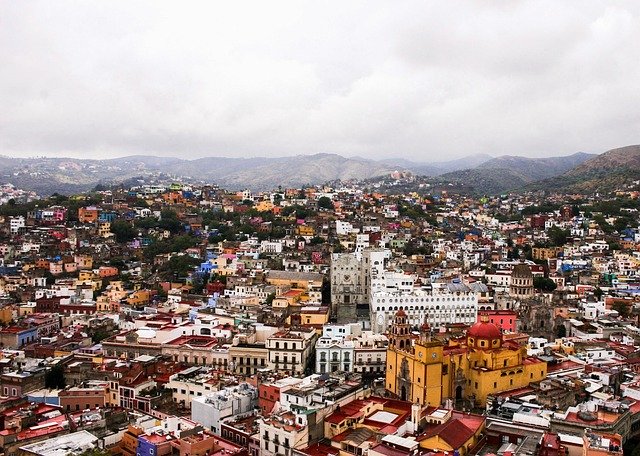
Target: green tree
[[598, 293], [169, 221], [54, 378], [623, 308], [561, 331], [95, 452], [179, 265], [325, 203], [557, 236], [99, 334], [123, 231], [338, 248], [603, 224], [544, 284]]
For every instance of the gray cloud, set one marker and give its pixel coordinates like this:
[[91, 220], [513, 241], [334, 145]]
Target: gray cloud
[[425, 80]]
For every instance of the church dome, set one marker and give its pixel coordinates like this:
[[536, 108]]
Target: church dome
[[484, 335], [484, 330], [521, 271]]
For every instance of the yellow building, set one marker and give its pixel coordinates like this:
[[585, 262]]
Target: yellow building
[[6, 314], [104, 229], [544, 253], [139, 298], [428, 372], [305, 231], [264, 206]]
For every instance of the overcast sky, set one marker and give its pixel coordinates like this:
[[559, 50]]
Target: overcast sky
[[425, 80]]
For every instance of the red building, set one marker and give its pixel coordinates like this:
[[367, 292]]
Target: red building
[[75, 398], [503, 319], [268, 395]]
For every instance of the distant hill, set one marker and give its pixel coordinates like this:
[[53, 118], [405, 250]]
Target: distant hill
[[67, 175], [269, 173], [537, 168], [507, 172], [440, 167], [608, 171], [479, 174]]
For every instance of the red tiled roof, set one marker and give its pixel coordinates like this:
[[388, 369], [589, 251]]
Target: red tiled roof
[[387, 450], [453, 432], [319, 449]]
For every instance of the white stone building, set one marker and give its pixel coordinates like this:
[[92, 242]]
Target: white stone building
[[210, 410]]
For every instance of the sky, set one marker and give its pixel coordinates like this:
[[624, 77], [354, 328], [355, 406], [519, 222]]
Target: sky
[[425, 80]]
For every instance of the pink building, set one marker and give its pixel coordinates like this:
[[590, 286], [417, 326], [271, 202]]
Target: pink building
[[503, 319]]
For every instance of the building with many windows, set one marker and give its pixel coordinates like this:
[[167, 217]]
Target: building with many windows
[[442, 303], [346, 348], [289, 350]]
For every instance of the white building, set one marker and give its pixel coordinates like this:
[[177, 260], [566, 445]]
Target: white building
[[212, 409], [281, 433], [189, 384], [16, 224], [346, 348], [271, 247], [345, 228], [440, 303]]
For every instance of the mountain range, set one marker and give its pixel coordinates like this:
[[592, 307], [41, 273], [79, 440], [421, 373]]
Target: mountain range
[[475, 173]]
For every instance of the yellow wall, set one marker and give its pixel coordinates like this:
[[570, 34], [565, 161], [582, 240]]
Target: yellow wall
[[139, 298], [305, 230], [432, 373], [425, 372], [6, 314], [436, 443], [263, 206], [314, 318]]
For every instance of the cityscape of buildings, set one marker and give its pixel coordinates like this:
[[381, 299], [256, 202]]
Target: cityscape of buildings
[[328, 320]]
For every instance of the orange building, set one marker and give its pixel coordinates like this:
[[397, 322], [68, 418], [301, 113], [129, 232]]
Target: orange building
[[88, 214], [107, 271]]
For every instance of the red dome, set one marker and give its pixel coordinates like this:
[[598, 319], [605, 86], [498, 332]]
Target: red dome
[[484, 330], [401, 313]]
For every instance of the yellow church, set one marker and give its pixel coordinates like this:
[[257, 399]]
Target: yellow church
[[427, 371]]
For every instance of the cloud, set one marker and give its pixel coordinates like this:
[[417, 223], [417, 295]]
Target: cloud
[[422, 80]]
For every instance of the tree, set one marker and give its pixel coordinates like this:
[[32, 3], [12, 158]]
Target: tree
[[598, 293], [338, 248], [54, 378], [622, 308], [558, 236], [269, 300], [179, 265], [561, 331], [99, 334], [544, 284], [316, 240], [603, 224], [325, 203], [123, 230], [169, 221], [95, 452]]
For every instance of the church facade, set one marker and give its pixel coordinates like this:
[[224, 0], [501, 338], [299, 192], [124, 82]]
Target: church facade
[[429, 372]]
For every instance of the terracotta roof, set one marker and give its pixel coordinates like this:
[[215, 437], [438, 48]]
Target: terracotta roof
[[453, 432]]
